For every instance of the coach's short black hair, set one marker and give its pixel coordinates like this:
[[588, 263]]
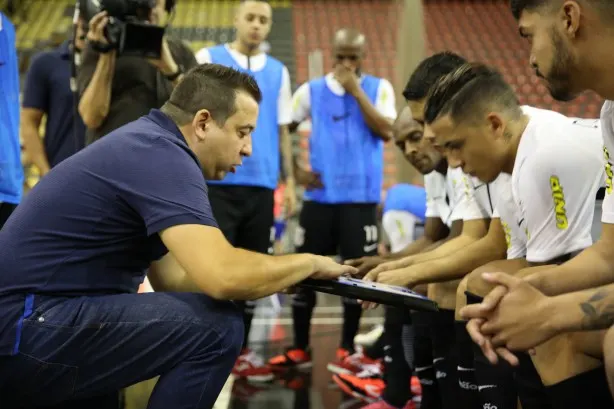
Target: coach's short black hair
[[212, 87], [468, 92], [518, 6], [428, 72]]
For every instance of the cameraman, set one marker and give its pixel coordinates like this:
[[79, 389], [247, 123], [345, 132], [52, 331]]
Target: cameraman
[[117, 89]]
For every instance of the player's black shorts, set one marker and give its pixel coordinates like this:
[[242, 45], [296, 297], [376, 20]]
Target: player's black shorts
[[586, 390], [245, 215], [350, 230]]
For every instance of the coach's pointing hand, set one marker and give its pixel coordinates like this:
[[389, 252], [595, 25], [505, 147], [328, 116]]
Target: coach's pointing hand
[[326, 268]]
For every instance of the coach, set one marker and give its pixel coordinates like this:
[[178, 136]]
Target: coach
[[72, 324]]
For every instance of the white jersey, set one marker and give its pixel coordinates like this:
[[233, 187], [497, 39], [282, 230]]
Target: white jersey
[[557, 172], [446, 195], [481, 198], [607, 128], [507, 211]]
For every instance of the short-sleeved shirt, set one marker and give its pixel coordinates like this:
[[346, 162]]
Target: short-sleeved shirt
[[91, 225], [137, 86], [47, 89], [607, 129], [384, 101], [506, 211], [257, 63], [557, 172], [446, 195]]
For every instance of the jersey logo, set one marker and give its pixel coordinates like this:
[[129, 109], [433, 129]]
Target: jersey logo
[[559, 203], [608, 171], [337, 118]]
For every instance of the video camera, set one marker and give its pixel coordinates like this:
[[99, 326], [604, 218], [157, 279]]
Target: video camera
[[129, 30]]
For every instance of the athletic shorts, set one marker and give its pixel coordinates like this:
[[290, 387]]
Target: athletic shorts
[[329, 229], [245, 215]]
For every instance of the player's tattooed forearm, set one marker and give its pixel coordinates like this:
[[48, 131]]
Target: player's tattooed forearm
[[598, 311]]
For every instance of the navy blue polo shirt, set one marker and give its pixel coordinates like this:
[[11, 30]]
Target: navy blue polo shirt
[[47, 88], [90, 227]]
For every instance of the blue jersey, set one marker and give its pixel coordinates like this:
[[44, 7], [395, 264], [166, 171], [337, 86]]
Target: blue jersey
[[11, 170], [408, 198], [343, 149], [262, 167]]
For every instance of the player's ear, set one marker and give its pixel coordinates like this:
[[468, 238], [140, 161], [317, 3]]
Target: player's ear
[[496, 124]]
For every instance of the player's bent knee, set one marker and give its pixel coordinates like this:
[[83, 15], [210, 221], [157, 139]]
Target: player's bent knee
[[476, 284], [589, 343], [608, 355]]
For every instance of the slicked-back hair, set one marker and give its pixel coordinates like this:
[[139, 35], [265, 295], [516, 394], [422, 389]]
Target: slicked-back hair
[[428, 72], [212, 87], [467, 93]]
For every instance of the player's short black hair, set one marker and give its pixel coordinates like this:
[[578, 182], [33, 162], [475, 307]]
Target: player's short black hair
[[428, 72], [468, 92], [518, 6], [212, 87]]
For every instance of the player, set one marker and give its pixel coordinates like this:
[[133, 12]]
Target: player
[[554, 163], [243, 202], [551, 49], [352, 114]]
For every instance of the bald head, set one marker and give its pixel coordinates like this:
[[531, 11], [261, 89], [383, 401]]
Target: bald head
[[349, 37], [349, 48], [404, 124]]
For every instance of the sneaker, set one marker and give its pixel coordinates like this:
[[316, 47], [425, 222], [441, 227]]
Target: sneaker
[[366, 389], [381, 404], [251, 367], [352, 364], [370, 337], [416, 388], [292, 358]]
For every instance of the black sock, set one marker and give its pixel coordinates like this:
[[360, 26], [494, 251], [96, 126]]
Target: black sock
[[531, 391], [586, 390], [408, 338], [496, 386], [351, 321], [423, 353], [397, 373], [248, 316], [468, 389], [375, 351], [303, 303], [444, 357]]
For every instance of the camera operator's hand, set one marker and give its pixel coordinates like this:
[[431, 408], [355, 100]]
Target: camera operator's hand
[[96, 28], [166, 64]]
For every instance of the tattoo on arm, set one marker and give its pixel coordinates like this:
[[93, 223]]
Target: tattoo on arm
[[598, 311]]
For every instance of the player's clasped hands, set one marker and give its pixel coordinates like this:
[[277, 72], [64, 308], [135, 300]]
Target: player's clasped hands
[[504, 320]]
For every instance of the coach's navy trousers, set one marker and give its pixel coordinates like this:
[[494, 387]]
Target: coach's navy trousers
[[75, 349]]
